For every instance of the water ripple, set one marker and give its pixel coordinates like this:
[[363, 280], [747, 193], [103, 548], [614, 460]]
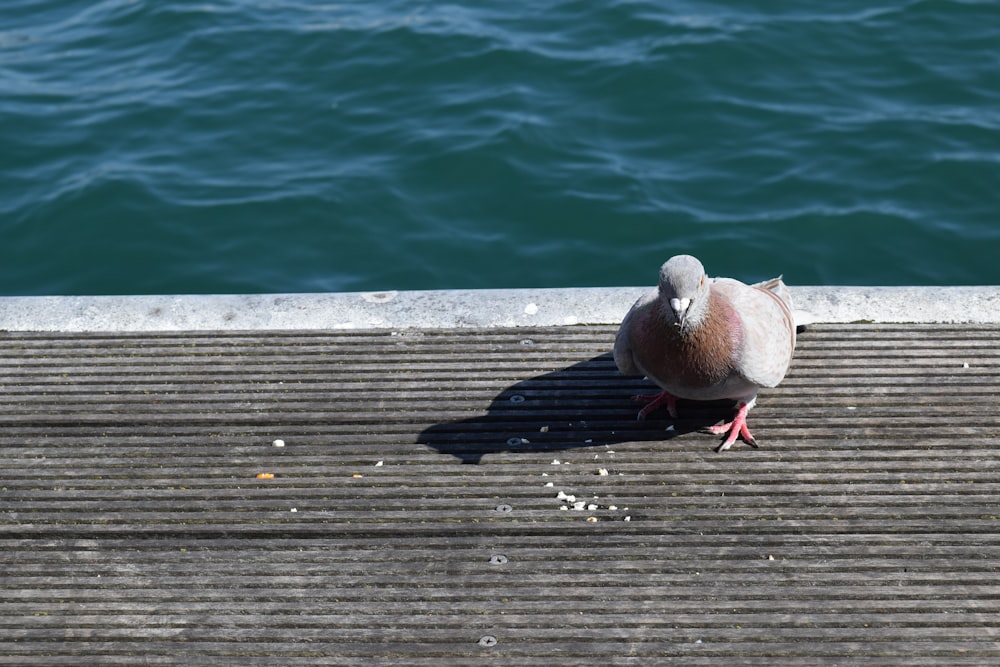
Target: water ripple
[[281, 145]]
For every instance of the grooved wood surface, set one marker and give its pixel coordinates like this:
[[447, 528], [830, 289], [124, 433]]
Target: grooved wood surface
[[487, 497]]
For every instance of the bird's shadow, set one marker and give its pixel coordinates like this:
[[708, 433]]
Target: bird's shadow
[[587, 404]]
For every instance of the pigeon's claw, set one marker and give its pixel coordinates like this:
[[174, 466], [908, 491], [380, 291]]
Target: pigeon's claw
[[735, 429], [655, 401]]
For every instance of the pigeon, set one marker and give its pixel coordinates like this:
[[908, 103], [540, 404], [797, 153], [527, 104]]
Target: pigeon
[[704, 339]]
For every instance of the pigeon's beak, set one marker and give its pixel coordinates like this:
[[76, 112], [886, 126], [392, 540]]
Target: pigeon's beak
[[680, 308]]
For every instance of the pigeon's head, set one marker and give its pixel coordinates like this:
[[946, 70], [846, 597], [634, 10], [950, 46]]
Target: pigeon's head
[[684, 288]]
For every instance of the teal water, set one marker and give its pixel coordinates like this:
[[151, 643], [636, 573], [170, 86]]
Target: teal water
[[235, 146]]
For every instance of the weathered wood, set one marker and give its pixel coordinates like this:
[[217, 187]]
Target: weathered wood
[[487, 497]]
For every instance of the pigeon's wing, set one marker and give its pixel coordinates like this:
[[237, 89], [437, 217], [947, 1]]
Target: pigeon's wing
[[768, 327], [623, 340]]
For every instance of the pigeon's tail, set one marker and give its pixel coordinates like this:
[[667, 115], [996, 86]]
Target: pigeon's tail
[[777, 287]]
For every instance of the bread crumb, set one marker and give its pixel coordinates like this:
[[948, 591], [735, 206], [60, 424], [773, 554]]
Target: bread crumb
[[265, 475]]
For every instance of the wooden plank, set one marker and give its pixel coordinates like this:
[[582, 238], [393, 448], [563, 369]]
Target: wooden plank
[[456, 497]]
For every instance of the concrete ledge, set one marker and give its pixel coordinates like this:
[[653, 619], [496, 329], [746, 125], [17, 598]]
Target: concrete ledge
[[459, 308]]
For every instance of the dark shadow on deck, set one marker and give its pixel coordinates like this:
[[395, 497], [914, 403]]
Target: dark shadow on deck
[[587, 404]]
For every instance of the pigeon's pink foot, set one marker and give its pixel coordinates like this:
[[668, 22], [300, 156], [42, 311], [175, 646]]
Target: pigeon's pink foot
[[735, 429], [654, 401]]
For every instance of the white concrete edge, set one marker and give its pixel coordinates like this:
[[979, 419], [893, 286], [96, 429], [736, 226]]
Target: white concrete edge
[[458, 309]]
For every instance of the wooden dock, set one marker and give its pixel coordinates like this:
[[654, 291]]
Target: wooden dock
[[485, 496]]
